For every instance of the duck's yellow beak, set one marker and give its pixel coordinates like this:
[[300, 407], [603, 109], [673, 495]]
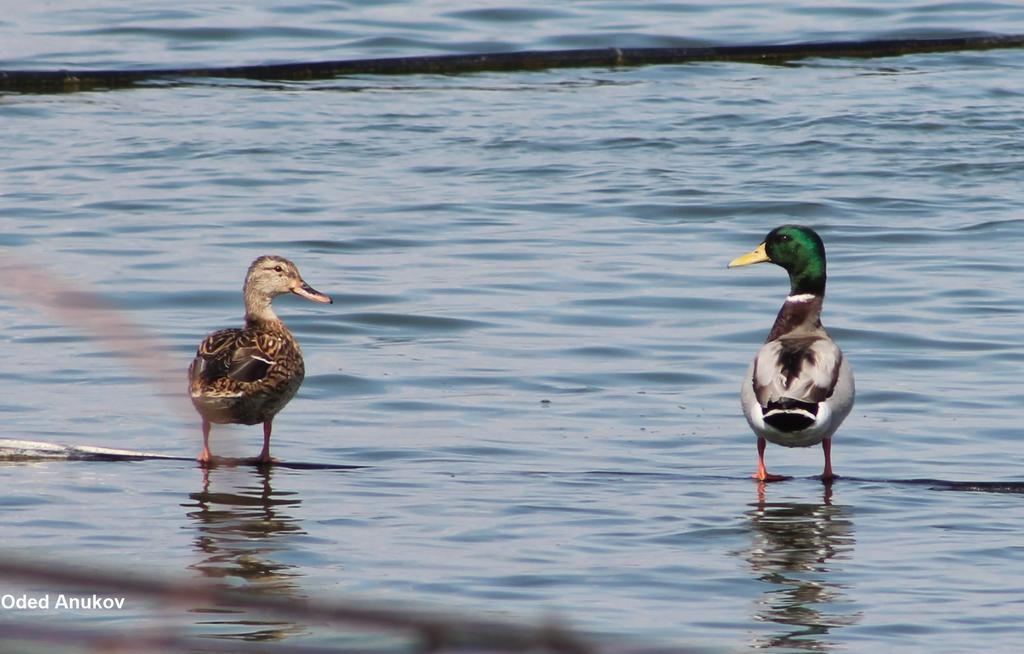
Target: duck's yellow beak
[[757, 256]]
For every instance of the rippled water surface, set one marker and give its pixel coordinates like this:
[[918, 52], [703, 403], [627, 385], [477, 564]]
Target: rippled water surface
[[535, 347]]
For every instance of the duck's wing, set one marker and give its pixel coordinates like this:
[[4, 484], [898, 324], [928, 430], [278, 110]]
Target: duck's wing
[[792, 372], [232, 356]]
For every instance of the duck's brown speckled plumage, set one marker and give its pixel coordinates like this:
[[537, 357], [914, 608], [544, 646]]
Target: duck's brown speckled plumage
[[247, 375]]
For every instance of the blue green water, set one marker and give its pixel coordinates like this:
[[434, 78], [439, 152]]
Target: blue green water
[[535, 345]]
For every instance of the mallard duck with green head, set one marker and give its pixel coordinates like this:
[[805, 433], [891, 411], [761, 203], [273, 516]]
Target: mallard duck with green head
[[247, 375], [799, 388]]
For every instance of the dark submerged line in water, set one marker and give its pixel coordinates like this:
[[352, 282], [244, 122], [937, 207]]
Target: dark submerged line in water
[[21, 451], [67, 81], [948, 485], [931, 484]]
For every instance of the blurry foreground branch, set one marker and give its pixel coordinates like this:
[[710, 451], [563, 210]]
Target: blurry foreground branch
[[434, 630], [74, 304]]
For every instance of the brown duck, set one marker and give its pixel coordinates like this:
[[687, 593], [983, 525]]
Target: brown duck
[[247, 375]]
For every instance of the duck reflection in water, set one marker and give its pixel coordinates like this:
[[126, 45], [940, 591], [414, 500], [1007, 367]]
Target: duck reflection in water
[[238, 532], [797, 549]]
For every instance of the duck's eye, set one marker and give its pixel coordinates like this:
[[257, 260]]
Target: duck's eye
[[785, 238], [278, 269]]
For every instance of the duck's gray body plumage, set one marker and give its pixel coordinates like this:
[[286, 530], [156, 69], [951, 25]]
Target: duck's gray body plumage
[[799, 387]]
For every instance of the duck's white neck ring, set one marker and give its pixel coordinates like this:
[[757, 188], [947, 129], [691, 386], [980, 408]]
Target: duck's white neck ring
[[801, 297]]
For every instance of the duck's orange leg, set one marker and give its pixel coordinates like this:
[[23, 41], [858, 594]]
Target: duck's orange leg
[[827, 475], [762, 471], [205, 457], [264, 456]]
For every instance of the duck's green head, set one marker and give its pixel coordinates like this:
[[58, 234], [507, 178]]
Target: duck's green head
[[799, 250]]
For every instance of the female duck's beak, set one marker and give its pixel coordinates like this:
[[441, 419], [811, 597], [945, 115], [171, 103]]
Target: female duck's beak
[[302, 289], [757, 256]]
